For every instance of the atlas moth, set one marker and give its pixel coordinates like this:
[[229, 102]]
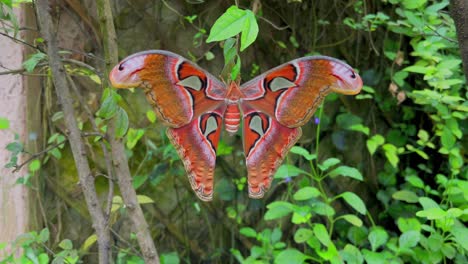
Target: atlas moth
[[194, 105]]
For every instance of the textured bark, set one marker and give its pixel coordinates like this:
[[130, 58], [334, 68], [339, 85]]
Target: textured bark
[[74, 135], [459, 11], [14, 198], [122, 171]]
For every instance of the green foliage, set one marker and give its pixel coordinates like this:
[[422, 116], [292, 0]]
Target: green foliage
[[36, 248]]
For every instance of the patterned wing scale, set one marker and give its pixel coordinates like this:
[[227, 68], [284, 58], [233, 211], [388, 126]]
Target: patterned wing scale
[[196, 144], [178, 90], [292, 92], [266, 143], [278, 102], [193, 104]]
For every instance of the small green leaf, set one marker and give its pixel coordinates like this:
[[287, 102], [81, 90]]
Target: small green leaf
[[66, 244], [248, 232], [346, 172], [143, 199], [413, 4], [31, 63], [377, 237], [133, 136], [228, 24], [306, 193], [249, 31], [302, 235], [229, 50], [236, 69], [321, 233], [287, 170], [35, 165], [432, 213], [209, 55], [461, 236], [391, 152], [151, 116], [351, 255], [352, 219], [405, 195], [409, 239], [303, 152], [138, 180], [108, 108], [328, 163], [290, 256], [374, 142], [44, 235], [169, 258], [88, 243], [121, 125], [4, 123], [354, 201], [277, 210]]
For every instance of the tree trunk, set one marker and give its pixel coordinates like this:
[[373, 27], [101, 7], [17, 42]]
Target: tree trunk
[[459, 11]]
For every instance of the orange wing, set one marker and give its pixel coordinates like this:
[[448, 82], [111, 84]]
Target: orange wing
[[275, 105]]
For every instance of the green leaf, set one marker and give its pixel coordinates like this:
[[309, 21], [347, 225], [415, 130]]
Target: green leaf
[[377, 237], [133, 136], [374, 142], [346, 172], [88, 243], [66, 244], [460, 234], [151, 116], [287, 170], [448, 139], [416, 68], [138, 180], [409, 239], [31, 63], [428, 203], [351, 255], [328, 163], [170, 258], [391, 152], [249, 31], [413, 4], [209, 55], [236, 69], [306, 193], [359, 128], [108, 108], [302, 235], [407, 224], [35, 165], [44, 235], [290, 256], [432, 213], [4, 123], [354, 201], [303, 152], [143, 199], [248, 232], [277, 210], [229, 50], [228, 25], [321, 233], [121, 125], [43, 258], [405, 195], [352, 219]]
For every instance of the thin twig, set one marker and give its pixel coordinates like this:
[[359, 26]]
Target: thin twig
[[38, 154]]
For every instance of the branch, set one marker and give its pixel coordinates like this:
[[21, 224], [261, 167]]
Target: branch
[[76, 143], [122, 171], [459, 8], [38, 154]]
